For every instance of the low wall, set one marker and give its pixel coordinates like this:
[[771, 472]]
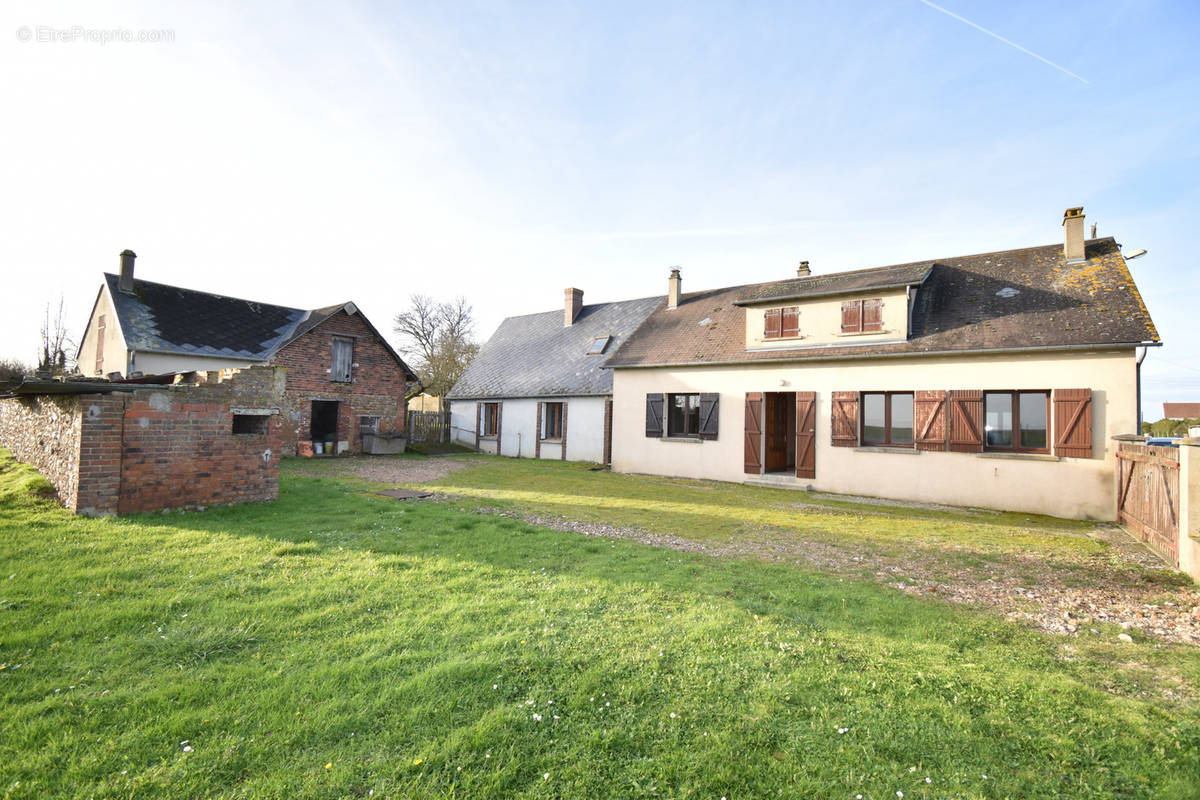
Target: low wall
[[1189, 508], [44, 433]]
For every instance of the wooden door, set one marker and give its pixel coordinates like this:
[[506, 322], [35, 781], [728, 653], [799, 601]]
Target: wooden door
[[753, 442], [806, 434], [777, 432]]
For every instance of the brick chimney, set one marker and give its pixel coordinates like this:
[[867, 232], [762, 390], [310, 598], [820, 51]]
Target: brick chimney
[[673, 284], [803, 271], [1073, 229], [125, 284], [574, 302]]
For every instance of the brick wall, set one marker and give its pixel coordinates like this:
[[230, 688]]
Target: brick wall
[[44, 432], [155, 448], [376, 389]]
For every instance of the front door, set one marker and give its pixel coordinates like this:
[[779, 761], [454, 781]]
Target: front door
[[780, 414]]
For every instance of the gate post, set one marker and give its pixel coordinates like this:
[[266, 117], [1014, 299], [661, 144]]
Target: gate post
[[1189, 507]]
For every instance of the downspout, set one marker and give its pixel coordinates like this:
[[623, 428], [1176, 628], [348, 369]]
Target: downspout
[[1140, 359]]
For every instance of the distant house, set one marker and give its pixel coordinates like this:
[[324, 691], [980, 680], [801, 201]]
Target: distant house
[[1181, 410], [537, 389], [994, 380], [343, 378]]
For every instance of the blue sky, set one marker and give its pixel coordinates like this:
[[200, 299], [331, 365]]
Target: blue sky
[[307, 155]]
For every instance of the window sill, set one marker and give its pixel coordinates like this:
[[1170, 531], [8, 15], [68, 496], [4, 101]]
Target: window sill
[[550, 441], [682, 439], [903, 451], [1020, 456], [487, 438], [850, 334]]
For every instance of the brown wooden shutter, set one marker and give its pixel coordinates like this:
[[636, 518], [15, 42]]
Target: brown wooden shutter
[[343, 350], [771, 323], [791, 321], [537, 440], [499, 416], [753, 446], [654, 416], [966, 421], [710, 414], [806, 434], [872, 315], [1073, 423], [851, 316], [608, 419], [563, 432], [101, 327], [845, 419], [478, 417], [929, 420]]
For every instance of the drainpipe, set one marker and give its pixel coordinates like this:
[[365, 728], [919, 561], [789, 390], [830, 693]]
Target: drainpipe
[[1141, 358]]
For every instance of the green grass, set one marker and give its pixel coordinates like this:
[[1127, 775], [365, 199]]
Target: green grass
[[335, 644]]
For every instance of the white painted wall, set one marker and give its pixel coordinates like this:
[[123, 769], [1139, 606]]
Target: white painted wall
[[518, 428], [1069, 487], [158, 363], [821, 321]]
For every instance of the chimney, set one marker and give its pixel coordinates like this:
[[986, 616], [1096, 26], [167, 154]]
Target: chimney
[[125, 284], [574, 302], [673, 288], [804, 271], [1073, 228]]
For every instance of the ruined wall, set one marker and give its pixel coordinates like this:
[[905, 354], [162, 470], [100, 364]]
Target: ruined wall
[[44, 432], [376, 388]]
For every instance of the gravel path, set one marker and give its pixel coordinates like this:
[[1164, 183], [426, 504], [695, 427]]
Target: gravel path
[[390, 470]]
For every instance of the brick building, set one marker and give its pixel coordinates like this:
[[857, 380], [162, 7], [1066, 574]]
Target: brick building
[[123, 448], [343, 378]]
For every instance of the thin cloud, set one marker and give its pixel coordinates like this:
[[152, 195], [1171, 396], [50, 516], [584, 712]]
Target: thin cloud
[[1008, 42]]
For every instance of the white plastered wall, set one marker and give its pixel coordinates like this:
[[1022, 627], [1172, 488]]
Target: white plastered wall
[[160, 363], [114, 345], [518, 428], [821, 321], [1067, 487]]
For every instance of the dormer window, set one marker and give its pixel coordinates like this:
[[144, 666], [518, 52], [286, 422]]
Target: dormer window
[[781, 323], [598, 344], [862, 316]]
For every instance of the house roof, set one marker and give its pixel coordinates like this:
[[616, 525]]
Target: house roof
[[960, 305], [159, 318], [168, 319], [1181, 410], [536, 356]]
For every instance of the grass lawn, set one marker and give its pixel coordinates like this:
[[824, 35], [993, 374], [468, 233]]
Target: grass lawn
[[338, 644]]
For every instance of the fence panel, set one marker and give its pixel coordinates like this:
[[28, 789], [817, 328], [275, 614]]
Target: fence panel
[[428, 426], [1148, 496]]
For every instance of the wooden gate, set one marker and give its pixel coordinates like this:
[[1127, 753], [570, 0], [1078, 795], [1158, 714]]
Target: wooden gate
[[428, 426], [1148, 496]]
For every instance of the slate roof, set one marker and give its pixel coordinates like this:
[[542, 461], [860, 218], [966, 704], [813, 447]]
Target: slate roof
[[959, 307], [167, 319], [536, 356]]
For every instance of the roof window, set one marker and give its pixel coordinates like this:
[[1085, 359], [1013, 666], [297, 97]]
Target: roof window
[[598, 344]]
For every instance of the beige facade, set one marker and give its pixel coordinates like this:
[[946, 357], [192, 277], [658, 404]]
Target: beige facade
[[1079, 488], [820, 322], [103, 338]]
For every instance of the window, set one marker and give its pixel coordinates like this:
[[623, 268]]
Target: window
[[368, 425], [862, 316], [491, 419], [1016, 421], [597, 346], [781, 323], [343, 360], [887, 418], [250, 424], [683, 415], [552, 418]]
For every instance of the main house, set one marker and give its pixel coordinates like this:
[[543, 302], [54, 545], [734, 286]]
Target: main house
[[537, 388], [994, 380], [343, 378]]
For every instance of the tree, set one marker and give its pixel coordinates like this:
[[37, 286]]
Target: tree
[[437, 340], [53, 358], [12, 370]]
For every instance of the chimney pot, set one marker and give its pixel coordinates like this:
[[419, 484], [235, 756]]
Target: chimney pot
[[673, 287], [1073, 234], [803, 271], [573, 304], [125, 284]]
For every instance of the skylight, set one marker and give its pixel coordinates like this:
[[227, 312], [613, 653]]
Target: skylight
[[597, 346]]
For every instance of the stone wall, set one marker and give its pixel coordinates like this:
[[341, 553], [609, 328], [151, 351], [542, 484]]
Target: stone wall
[[44, 433]]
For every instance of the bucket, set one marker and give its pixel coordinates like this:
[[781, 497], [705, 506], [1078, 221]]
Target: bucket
[[318, 448]]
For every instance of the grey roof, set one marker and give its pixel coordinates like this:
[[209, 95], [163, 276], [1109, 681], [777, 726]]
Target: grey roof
[[896, 276], [536, 356], [159, 318]]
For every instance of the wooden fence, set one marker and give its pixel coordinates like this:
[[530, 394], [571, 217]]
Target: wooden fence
[[428, 426], [1148, 496]]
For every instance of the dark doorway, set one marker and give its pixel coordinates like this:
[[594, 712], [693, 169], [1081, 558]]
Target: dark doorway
[[779, 413], [324, 420]]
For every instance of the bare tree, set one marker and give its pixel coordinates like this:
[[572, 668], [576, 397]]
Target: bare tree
[[436, 338], [12, 370], [53, 358]]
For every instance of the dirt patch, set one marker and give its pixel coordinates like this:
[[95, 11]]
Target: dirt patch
[[389, 470]]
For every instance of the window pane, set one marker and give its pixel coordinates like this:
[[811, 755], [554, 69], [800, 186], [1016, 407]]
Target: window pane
[[902, 418], [1033, 420], [997, 413], [873, 418]]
